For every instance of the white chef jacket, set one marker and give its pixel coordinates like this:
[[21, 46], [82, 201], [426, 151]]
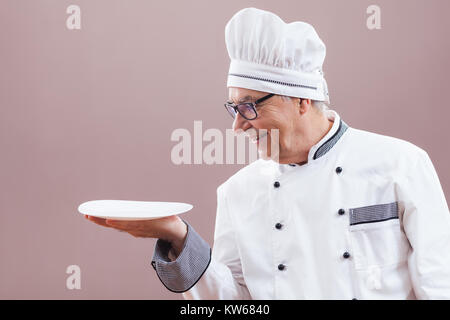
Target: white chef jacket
[[364, 218]]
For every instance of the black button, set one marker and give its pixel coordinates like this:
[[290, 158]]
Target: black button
[[346, 255], [341, 211], [354, 299], [276, 184], [278, 225], [281, 267], [338, 170]]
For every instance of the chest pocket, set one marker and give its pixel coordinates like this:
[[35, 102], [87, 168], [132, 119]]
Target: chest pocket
[[376, 236]]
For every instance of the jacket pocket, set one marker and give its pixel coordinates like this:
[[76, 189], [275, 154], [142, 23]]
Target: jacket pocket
[[376, 236]]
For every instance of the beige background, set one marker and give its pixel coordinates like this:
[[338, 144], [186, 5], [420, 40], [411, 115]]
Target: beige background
[[87, 114]]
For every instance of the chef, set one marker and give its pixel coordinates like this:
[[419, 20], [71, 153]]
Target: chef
[[341, 213]]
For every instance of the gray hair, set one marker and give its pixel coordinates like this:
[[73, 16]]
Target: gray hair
[[320, 106]]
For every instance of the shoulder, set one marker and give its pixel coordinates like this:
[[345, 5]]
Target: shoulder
[[369, 144]]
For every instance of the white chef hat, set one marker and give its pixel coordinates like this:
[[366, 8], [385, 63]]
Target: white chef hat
[[272, 56]]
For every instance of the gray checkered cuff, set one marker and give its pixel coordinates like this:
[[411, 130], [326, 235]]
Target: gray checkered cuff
[[183, 273]]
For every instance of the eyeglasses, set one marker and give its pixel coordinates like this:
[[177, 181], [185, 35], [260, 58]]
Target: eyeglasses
[[246, 110]]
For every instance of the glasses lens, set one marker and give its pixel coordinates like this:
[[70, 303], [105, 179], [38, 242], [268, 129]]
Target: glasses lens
[[230, 110], [247, 111]]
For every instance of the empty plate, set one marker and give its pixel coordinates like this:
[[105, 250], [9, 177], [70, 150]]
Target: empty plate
[[132, 210]]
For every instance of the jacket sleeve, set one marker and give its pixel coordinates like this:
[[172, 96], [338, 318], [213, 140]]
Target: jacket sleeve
[[179, 274], [223, 278], [196, 272], [426, 221]]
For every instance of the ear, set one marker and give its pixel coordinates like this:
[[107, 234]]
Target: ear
[[305, 106]]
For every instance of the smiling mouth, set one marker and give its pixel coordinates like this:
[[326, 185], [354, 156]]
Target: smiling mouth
[[259, 137]]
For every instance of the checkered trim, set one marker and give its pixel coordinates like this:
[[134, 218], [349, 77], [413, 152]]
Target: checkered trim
[[324, 148], [273, 81], [374, 213], [183, 273]]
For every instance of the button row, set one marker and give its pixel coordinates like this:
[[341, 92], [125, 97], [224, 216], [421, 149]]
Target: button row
[[281, 266], [277, 183], [278, 225]]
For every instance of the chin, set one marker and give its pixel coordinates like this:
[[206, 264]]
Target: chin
[[269, 149]]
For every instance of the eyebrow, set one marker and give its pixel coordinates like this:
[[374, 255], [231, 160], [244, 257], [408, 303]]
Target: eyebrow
[[244, 99]]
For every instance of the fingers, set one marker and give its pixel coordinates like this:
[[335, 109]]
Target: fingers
[[99, 221], [125, 225], [139, 234], [117, 224], [135, 228]]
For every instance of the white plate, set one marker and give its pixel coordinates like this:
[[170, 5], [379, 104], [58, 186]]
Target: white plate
[[132, 210]]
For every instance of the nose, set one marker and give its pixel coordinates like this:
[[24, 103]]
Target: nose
[[240, 123]]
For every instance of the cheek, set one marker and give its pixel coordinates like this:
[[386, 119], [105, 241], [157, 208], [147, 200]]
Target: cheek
[[269, 121], [273, 123], [276, 119], [280, 119], [285, 132], [283, 120]]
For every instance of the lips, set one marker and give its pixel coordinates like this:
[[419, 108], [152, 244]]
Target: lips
[[262, 136], [258, 137]]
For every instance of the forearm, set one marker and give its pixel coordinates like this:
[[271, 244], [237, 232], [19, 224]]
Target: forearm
[[177, 238]]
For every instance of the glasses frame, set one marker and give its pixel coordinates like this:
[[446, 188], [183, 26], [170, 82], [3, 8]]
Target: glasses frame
[[252, 105]]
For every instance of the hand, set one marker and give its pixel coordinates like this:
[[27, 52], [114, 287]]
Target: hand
[[171, 229]]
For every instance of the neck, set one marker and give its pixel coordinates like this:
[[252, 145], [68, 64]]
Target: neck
[[310, 132]]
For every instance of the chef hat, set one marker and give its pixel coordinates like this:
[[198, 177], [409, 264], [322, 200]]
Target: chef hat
[[272, 56]]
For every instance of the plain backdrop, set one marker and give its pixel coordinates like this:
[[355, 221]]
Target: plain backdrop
[[88, 114]]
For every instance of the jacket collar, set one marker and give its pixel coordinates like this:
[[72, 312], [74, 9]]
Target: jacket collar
[[330, 139]]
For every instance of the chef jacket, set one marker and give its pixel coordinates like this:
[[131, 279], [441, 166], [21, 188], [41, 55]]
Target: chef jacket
[[364, 218]]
